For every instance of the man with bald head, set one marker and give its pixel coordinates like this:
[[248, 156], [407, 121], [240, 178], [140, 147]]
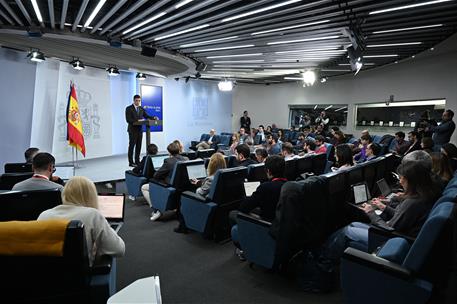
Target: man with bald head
[[211, 143]]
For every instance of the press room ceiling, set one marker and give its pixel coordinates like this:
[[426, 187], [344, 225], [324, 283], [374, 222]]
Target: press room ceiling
[[252, 41]]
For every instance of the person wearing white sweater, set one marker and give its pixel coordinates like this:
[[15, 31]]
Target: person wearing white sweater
[[80, 202]]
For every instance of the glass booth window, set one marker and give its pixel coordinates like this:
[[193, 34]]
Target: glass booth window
[[306, 115]]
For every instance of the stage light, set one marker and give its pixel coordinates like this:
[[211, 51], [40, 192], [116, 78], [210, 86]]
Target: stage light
[[140, 76], [36, 56], [323, 79], [77, 64], [198, 75], [187, 79], [309, 78], [225, 86], [113, 71], [355, 59]]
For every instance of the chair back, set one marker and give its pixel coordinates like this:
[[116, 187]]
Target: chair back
[[225, 140], [148, 169], [369, 173], [205, 153], [330, 151], [27, 205], [432, 250], [228, 185], [257, 173], [8, 180], [376, 138], [354, 175], [18, 167], [179, 178], [49, 279], [290, 171], [305, 164], [319, 163]]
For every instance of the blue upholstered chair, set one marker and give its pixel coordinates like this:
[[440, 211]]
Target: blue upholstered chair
[[402, 271], [27, 205], [210, 215], [166, 196], [134, 181], [376, 138], [353, 141], [224, 141], [66, 278], [257, 173]]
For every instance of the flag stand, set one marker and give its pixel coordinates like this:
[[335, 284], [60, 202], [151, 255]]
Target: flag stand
[[75, 159]]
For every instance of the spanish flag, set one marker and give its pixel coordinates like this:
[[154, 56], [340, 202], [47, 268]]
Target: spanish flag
[[75, 135]]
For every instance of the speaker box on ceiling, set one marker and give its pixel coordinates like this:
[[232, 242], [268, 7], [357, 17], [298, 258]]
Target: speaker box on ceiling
[[148, 51]]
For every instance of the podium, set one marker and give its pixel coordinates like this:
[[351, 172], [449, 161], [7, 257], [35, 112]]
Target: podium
[[148, 123]]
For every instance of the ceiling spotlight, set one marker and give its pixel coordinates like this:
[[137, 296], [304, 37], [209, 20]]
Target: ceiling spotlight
[[198, 75], [225, 85], [187, 79], [140, 76], [77, 64], [323, 79], [113, 71], [355, 59], [36, 56], [177, 79], [309, 78]]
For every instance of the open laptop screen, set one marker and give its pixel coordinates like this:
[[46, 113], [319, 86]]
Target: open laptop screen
[[112, 207], [196, 171], [383, 187], [361, 193]]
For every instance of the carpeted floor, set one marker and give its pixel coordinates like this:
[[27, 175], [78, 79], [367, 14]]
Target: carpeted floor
[[195, 270]]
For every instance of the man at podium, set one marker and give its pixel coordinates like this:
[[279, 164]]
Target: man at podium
[[134, 113]]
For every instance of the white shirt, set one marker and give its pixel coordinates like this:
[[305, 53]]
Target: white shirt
[[101, 239]]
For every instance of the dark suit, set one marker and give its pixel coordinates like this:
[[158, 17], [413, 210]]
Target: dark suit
[[165, 172], [135, 132], [266, 198], [413, 147]]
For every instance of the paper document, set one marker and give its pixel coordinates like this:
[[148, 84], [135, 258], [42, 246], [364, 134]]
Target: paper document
[[250, 187]]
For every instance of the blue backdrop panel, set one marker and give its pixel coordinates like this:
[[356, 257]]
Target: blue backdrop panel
[[151, 100]]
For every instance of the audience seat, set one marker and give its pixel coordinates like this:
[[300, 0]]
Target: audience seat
[[224, 142], [376, 138], [290, 171], [257, 173], [353, 141], [305, 164], [8, 180], [36, 278], [209, 215], [402, 271], [319, 163], [134, 182], [166, 197], [18, 168], [205, 153], [27, 205]]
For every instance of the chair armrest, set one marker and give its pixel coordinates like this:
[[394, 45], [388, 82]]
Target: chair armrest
[[376, 263], [194, 196], [253, 219], [378, 235], [154, 181], [102, 265]]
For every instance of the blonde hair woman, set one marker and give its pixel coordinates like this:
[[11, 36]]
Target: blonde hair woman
[[80, 202], [216, 162]]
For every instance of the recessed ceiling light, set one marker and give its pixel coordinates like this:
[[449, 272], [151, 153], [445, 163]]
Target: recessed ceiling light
[[237, 55], [94, 12], [267, 8], [303, 40], [37, 11], [239, 61], [207, 41], [140, 76], [407, 29], [225, 48], [113, 71], [289, 27], [36, 56], [380, 56], [144, 22], [182, 32], [77, 64], [393, 44], [407, 6], [182, 3]]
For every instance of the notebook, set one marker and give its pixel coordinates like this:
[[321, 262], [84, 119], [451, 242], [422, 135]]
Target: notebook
[[196, 171], [361, 193], [250, 187], [385, 189], [112, 207]]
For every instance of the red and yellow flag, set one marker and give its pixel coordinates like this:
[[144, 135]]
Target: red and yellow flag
[[75, 135]]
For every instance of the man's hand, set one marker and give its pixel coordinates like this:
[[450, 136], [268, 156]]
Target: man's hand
[[376, 202], [367, 208]]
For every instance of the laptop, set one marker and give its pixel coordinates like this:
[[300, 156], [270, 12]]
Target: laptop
[[385, 189], [112, 207], [250, 187], [64, 172], [361, 193], [196, 171]]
